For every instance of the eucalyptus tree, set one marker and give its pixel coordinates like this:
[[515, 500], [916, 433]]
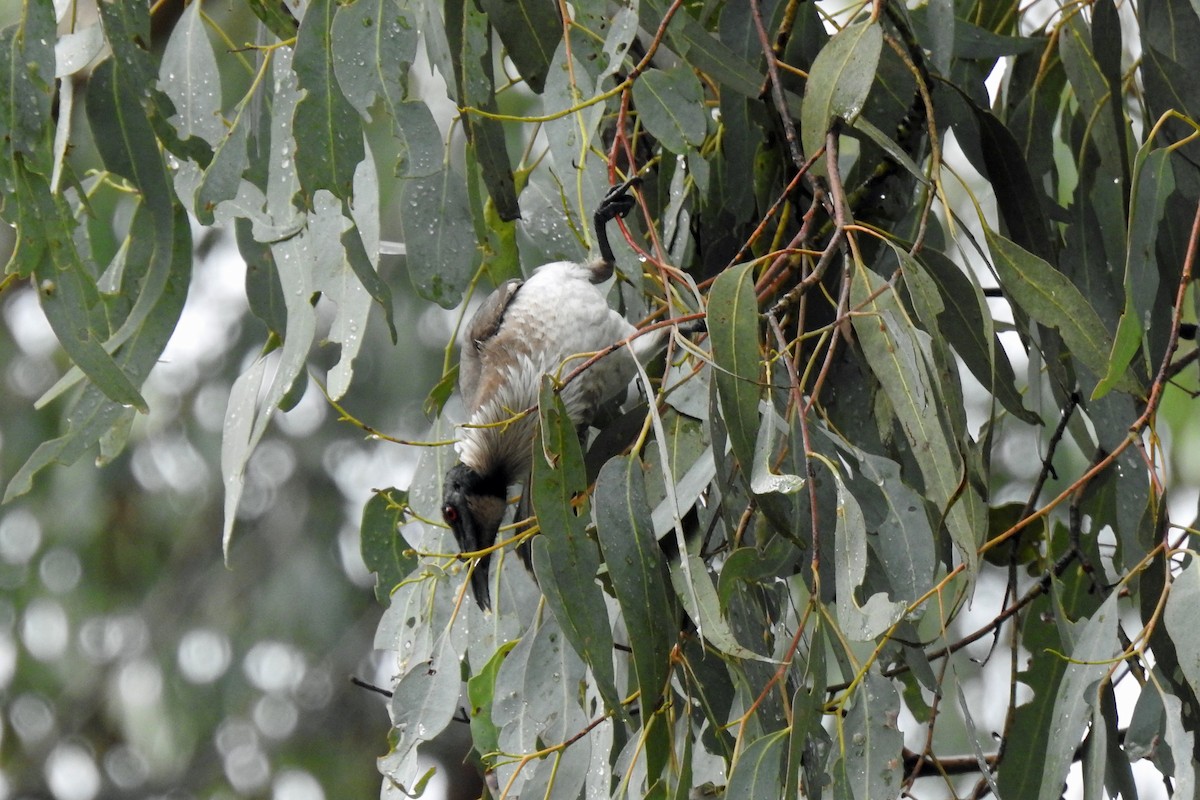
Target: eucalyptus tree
[[944, 252]]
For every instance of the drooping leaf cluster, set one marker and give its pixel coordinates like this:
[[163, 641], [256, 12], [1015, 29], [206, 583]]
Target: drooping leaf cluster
[[944, 254]]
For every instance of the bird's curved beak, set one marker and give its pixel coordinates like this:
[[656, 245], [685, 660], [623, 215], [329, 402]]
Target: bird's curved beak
[[480, 583]]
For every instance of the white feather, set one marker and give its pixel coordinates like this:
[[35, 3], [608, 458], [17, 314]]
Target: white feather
[[557, 320]]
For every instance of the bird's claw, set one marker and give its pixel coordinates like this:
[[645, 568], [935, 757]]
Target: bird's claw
[[617, 201]]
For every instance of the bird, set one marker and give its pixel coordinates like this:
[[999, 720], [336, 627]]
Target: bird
[[522, 331]]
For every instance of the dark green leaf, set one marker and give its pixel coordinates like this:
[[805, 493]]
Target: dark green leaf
[[530, 31], [565, 559], [384, 550], [1047, 296], [670, 104], [70, 298], [733, 329], [839, 81], [899, 355], [756, 772], [374, 43], [638, 574], [966, 323], [1017, 197], [276, 16], [1095, 643], [329, 139], [486, 135], [26, 89], [703, 50], [124, 136], [94, 414]]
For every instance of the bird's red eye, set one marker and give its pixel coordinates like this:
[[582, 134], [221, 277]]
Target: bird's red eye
[[450, 514]]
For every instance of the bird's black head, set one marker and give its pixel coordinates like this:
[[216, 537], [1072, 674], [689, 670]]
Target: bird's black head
[[473, 506]]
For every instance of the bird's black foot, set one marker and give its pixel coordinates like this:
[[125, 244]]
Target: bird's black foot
[[617, 202]]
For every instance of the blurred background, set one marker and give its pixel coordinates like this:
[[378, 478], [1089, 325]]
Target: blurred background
[[135, 662]]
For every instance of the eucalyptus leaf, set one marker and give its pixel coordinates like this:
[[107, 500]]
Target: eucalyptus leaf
[[328, 133], [565, 559], [1047, 296], [898, 354], [384, 550], [1095, 645], [638, 572], [374, 42], [670, 105], [733, 329], [839, 81]]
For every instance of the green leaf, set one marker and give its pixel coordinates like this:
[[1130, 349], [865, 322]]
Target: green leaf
[[328, 132], [442, 257], [899, 355], [808, 743], [69, 296], [859, 623], [481, 692], [384, 550], [485, 134], [1017, 197], [1047, 296], [839, 81], [702, 50], [276, 16], [191, 78], [1094, 645], [1095, 103], [27, 88], [537, 699], [124, 136], [1181, 740], [565, 559], [223, 178], [424, 701], [127, 30], [733, 331], [374, 43], [94, 414], [694, 588], [1180, 619], [145, 274], [670, 103], [936, 24], [1154, 182], [903, 540], [638, 573], [756, 772], [530, 31], [303, 263], [966, 323], [870, 742]]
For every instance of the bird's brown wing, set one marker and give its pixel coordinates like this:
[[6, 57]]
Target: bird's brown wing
[[484, 324]]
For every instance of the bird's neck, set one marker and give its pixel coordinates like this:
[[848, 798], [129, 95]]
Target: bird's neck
[[502, 453]]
